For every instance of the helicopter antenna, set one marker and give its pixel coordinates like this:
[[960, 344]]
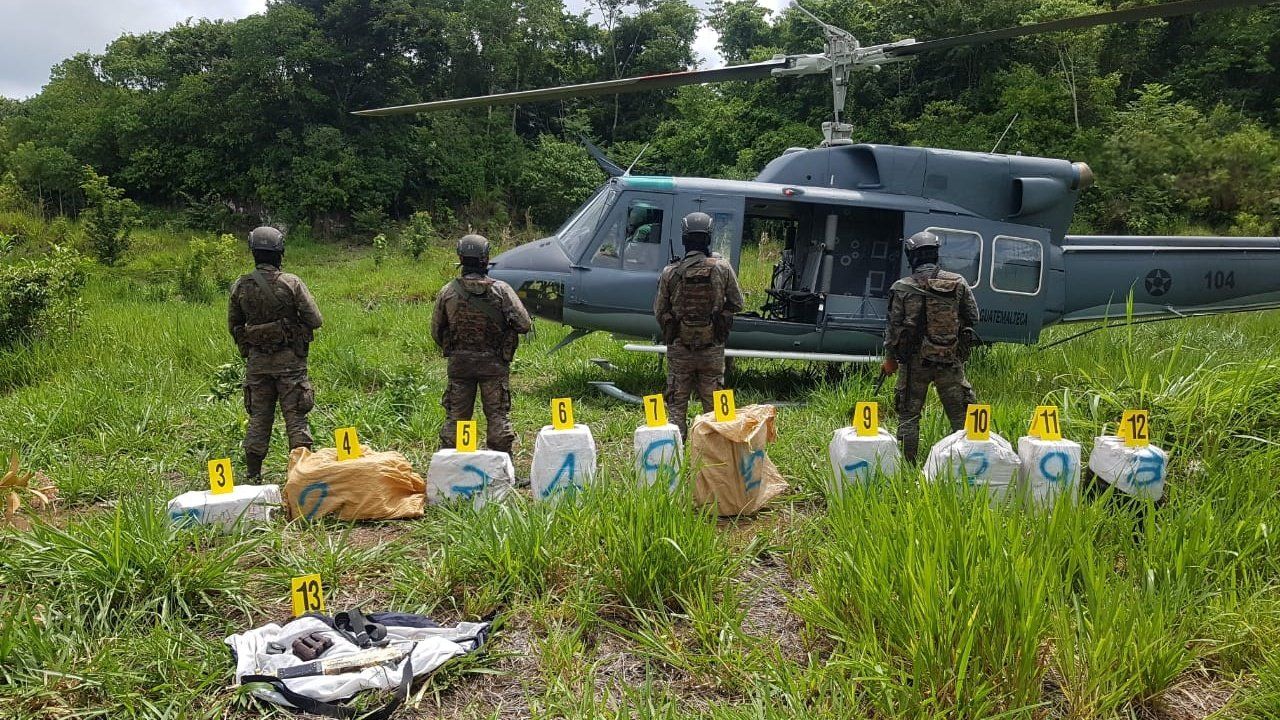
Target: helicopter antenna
[[1006, 132], [633, 162]]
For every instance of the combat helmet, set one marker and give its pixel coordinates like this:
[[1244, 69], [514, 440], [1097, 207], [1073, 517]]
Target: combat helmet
[[266, 238], [921, 240], [695, 229], [474, 248]]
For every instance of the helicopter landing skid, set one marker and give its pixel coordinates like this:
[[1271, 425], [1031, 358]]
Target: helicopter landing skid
[[770, 354]]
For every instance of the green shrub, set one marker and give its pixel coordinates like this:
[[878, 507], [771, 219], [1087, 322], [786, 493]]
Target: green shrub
[[369, 221], [109, 219], [208, 269], [39, 297], [379, 249], [420, 233]]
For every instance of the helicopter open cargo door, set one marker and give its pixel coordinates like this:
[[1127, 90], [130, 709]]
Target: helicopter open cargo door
[[618, 274], [1010, 268]]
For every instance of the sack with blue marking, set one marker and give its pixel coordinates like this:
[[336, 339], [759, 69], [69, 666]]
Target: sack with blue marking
[[991, 464], [374, 486], [733, 471], [1135, 471]]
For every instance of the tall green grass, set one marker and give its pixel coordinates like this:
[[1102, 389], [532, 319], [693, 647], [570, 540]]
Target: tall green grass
[[897, 601]]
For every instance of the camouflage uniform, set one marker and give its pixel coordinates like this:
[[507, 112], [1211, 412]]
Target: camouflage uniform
[[478, 322], [274, 333], [695, 303], [928, 313]]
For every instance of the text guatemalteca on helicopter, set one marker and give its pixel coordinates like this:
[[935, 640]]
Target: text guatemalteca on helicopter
[[842, 210]]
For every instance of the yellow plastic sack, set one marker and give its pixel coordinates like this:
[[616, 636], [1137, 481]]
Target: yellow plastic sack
[[374, 486], [735, 474]]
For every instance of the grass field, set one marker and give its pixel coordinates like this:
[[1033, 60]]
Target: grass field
[[903, 601]]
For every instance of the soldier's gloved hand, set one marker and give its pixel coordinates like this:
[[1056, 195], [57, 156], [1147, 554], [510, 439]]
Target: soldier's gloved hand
[[889, 366]]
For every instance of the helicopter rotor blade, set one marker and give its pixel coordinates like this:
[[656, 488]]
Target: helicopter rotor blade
[[750, 71], [1145, 12]]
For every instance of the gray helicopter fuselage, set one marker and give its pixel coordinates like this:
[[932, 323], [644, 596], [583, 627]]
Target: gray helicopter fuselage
[[838, 216]]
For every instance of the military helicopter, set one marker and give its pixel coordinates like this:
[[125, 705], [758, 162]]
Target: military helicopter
[[842, 210]]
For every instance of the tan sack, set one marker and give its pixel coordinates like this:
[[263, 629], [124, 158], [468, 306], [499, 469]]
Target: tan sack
[[734, 472], [374, 486]]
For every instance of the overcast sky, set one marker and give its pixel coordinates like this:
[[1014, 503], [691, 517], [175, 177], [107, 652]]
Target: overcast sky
[[37, 34]]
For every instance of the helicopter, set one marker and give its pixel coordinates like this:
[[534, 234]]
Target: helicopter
[[842, 210]]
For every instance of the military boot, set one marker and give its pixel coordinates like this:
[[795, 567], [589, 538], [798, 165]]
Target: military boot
[[254, 465]]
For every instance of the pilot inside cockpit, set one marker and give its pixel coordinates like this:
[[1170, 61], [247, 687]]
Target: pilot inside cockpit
[[644, 237]]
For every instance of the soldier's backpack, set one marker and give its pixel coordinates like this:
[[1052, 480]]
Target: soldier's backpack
[[478, 318], [938, 322], [697, 302], [280, 332]]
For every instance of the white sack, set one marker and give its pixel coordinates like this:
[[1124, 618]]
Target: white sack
[[989, 463], [479, 477], [1136, 471], [1050, 469], [562, 460], [857, 460], [658, 452], [245, 503], [434, 646]]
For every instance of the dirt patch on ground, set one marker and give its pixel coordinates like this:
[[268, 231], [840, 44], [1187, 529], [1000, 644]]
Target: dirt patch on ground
[[769, 588], [1193, 696], [499, 684]]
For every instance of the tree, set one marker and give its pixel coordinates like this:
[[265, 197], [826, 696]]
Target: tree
[[109, 217]]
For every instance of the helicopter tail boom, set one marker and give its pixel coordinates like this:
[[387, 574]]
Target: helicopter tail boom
[[1167, 275]]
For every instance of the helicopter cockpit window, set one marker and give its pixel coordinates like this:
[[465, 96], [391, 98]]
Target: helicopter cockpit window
[[961, 252], [634, 241], [577, 233], [1016, 265]]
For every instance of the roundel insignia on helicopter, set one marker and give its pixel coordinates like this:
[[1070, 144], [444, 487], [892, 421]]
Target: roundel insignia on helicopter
[[1158, 282]]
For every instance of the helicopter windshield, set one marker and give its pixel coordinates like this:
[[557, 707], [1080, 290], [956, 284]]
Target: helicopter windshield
[[576, 234]]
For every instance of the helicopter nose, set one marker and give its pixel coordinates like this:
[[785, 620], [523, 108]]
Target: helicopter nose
[[538, 272]]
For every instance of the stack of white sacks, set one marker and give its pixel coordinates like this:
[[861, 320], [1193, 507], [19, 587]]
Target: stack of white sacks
[[990, 463], [1136, 471], [858, 460], [477, 477], [244, 506], [563, 461], [658, 454]]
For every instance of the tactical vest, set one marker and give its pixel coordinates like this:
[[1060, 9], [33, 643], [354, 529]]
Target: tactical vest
[[697, 302], [477, 323], [272, 324], [937, 302]]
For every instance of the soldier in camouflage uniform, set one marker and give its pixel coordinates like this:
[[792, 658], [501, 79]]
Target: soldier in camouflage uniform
[[931, 317], [478, 322], [695, 303], [273, 318]]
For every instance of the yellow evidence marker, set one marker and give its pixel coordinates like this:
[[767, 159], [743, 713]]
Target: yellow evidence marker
[[655, 410], [562, 413], [866, 419], [977, 423], [1135, 428], [308, 595], [725, 410], [220, 479], [348, 443], [466, 436], [1045, 423]]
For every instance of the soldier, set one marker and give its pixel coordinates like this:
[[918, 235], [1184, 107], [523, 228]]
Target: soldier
[[273, 319], [931, 317], [695, 303], [478, 322]]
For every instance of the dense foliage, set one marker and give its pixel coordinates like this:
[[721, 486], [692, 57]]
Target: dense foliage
[[252, 117]]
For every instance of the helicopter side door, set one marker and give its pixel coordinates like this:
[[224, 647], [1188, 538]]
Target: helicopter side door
[[618, 275], [1006, 266]]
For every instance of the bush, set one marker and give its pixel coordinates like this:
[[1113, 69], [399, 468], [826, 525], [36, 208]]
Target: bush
[[208, 269], [379, 249], [369, 221], [40, 297], [420, 233], [109, 219]]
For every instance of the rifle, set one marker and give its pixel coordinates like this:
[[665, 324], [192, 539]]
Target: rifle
[[345, 663]]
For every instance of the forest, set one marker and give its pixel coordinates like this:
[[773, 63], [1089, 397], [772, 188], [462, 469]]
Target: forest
[[231, 122]]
